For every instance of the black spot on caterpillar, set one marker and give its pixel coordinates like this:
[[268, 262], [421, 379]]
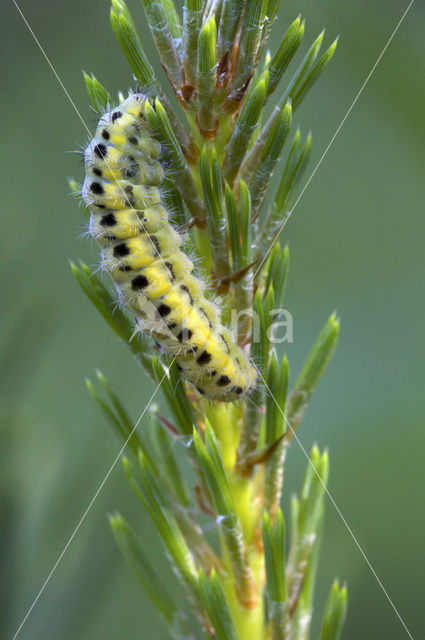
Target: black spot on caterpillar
[[142, 253]]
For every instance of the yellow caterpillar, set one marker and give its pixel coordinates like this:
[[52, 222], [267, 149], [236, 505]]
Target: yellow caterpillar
[[141, 252]]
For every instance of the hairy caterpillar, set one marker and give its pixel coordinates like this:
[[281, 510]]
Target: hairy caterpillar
[[141, 252]]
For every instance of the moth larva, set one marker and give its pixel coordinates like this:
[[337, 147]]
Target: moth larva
[[142, 253]]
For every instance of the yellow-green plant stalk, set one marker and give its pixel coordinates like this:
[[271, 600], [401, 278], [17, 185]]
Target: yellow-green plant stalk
[[214, 460]]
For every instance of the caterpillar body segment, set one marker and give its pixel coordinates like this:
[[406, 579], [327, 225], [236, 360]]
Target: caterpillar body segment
[[142, 253]]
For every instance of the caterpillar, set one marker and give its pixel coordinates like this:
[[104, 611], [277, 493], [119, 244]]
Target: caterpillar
[[142, 253]]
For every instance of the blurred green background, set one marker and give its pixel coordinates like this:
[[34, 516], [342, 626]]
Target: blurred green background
[[356, 239]]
